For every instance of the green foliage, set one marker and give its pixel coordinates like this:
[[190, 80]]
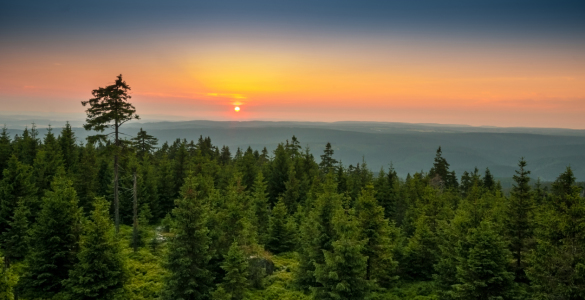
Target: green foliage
[[235, 281], [100, 272], [15, 241], [483, 266], [189, 255], [281, 234], [520, 220], [377, 232], [357, 236], [557, 264], [144, 143], [109, 109], [260, 202], [343, 273], [7, 283], [327, 161], [54, 242], [318, 233], [17, 199], [68, 147], [5, 150]]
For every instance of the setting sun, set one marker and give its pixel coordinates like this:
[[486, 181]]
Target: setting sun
[[237, 108]]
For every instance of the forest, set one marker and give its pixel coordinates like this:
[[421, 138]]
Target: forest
[[118, 217]]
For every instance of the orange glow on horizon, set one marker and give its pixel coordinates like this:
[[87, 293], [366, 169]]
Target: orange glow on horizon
[[328, 82]]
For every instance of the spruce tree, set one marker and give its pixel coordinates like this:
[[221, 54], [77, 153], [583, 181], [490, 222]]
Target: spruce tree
[[279, 174], [86, 176], [235, 265], [17, 185], [519, 219], [47, 162], [165, 187], [144, 143], [280, 234], [54, 242], [327, 161], [189, 254], [342, 275], [67, 143], [376, 231], [556, 264], [5, 150], [15, 241], [7, 283], [318, 233], [488, 180], [483, 266], [99, 272], [261, 207]]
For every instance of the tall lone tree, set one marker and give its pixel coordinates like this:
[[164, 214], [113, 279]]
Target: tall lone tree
[[109, 109]]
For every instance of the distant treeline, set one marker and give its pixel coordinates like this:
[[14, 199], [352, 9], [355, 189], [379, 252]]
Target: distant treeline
[[212, 221]]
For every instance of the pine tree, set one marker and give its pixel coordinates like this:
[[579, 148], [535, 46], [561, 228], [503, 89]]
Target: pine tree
[[47, 162], [189, 254], [5, 150], [421, 251], [260, 200], [68, 147], [86, 176], [342, 275], [280, 234], [519, 219], [235, 265], [280, 167], [17, 185], [26, 147], [54, 242], [110, 108], [15, 240], [99, 272], [144, 143], [385, 186], [556, 264], [376, 231], [166, 186], [483, 266], [7, 283], [488, 180], [318, 233], [327, 161]]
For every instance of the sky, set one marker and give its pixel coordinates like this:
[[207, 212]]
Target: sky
[[495, 63]]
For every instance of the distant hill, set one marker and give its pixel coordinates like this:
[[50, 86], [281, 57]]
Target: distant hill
[[409, 147]]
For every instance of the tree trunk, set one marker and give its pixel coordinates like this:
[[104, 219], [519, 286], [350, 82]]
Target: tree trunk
[[135, 210]]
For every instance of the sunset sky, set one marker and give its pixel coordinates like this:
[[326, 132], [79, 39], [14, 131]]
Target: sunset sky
[[499, 63]]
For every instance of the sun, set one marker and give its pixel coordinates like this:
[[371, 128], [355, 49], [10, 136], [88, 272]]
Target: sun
[[237, 108]]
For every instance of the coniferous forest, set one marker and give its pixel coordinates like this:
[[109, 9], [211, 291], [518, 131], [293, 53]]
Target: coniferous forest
[[119, 217]]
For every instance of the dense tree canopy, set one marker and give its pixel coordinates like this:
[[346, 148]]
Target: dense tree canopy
[[259, 224]]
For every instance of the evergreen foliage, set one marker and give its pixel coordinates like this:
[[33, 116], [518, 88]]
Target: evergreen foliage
[[99, 272], [189, 277], [343, 271], [54, 242], [483, 266], [144, 143], [235, 281], [280, 226], [280, 232], [520, 219]]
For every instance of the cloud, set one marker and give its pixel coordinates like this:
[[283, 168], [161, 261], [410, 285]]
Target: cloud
[[231, 96]]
